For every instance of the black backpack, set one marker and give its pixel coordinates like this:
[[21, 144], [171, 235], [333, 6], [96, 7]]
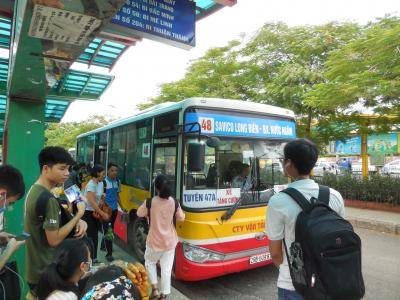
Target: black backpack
[[325, 259], [148, 206], [41, 207]]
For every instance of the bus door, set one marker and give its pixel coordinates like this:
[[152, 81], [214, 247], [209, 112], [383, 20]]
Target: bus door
[[165, 163], [100, 149], [164, 148]]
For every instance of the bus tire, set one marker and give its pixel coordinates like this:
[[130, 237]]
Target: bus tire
[[137, 235]]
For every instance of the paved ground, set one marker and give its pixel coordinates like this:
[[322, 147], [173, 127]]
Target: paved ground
[[373, 215], [381, 221], [122, 252], [381, 265], [381, 269]]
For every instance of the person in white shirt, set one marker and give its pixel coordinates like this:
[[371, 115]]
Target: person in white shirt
[[93, 195], [300, 157], [60, 279]]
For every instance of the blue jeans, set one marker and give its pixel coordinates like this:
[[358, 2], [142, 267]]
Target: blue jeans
[[288, 295]]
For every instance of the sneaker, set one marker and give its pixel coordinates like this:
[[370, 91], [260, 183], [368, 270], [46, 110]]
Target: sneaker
[[109, 258]]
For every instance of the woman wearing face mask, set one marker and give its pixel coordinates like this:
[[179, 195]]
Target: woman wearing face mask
[[60, 280]]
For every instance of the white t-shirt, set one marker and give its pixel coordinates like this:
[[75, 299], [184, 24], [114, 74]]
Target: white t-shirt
[[97, 189], [61, 295], [282, 213]]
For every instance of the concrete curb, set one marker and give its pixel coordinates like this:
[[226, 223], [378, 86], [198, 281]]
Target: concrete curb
[[386, 227]]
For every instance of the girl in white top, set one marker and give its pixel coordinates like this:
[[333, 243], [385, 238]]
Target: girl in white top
[[60, 280], [94, 194]]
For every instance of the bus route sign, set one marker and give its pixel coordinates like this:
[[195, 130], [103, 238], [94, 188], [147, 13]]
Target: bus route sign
[[228, 125], [168, 21]]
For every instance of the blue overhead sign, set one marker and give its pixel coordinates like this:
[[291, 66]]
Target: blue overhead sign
[[226, 125], [171, 21]]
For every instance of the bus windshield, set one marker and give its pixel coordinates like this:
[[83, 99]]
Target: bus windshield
[[236, 169]]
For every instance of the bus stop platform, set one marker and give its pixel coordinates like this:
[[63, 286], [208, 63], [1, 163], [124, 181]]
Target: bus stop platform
[[121, 251], [382, 221]]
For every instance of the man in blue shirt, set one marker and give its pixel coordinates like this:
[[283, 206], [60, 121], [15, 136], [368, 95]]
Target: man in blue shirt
[[112, 199]]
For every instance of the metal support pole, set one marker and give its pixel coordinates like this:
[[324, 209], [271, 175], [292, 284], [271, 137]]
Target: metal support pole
[[364, 155], [24, 138]]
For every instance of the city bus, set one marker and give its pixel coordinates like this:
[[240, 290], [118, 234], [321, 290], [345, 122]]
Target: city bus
[[223, 159]]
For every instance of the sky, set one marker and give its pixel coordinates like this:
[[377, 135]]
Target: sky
[[144, 67]]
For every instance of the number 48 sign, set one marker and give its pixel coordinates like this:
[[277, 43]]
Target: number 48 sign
[[207, 124]]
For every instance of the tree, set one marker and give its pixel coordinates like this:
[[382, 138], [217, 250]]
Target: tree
[[366, 72], [278, 66], [64, 134], [213, 75], [287, 62]]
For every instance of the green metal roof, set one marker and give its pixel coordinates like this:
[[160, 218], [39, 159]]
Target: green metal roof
[[74, 85], [3, 105], [5, 33], [3, 74], [205, 8], [102, 53], [99, 53], [81, 85], [55, 109]]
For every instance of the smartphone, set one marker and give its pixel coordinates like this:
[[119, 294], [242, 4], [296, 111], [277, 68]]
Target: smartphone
[[73, 193], [23, 236]]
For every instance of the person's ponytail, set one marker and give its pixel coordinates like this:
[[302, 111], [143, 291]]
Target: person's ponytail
[[69, 255], [162, 185], [52, 280]]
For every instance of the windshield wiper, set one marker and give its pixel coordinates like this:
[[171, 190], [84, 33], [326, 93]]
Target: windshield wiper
[[229, 213]]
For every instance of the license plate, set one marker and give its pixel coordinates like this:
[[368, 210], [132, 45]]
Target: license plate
[[260, 257]]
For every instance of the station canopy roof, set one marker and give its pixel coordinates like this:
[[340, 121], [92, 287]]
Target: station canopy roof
[[102, 51], [74, 84], [105, 53]]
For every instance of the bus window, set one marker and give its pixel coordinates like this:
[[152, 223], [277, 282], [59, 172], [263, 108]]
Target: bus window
[[138, 153], [250, 168], [117, 148], [165, 163], [100, 149], [85, 150], [205, 178]]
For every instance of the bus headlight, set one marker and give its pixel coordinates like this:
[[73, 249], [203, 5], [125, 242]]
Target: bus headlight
[[200, 255]]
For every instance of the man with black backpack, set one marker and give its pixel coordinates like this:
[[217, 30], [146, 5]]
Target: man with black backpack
[[306, 228], [45, 219]]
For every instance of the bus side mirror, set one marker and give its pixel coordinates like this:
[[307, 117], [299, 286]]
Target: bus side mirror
[[213, 142], [195, 158]]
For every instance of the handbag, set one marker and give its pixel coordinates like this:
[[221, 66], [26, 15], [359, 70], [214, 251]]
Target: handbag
[[10, 288], [105, 208]]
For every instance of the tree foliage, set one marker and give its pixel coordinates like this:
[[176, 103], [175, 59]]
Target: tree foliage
[[366, 72], [212, 75], [64, 134], [287, 62], [319, 72]]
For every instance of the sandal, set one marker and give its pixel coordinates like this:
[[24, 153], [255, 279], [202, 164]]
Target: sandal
[[162, 297], [154, 293]]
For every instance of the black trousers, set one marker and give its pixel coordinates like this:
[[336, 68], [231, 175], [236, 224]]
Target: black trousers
[[107, 244], [92, 230]]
